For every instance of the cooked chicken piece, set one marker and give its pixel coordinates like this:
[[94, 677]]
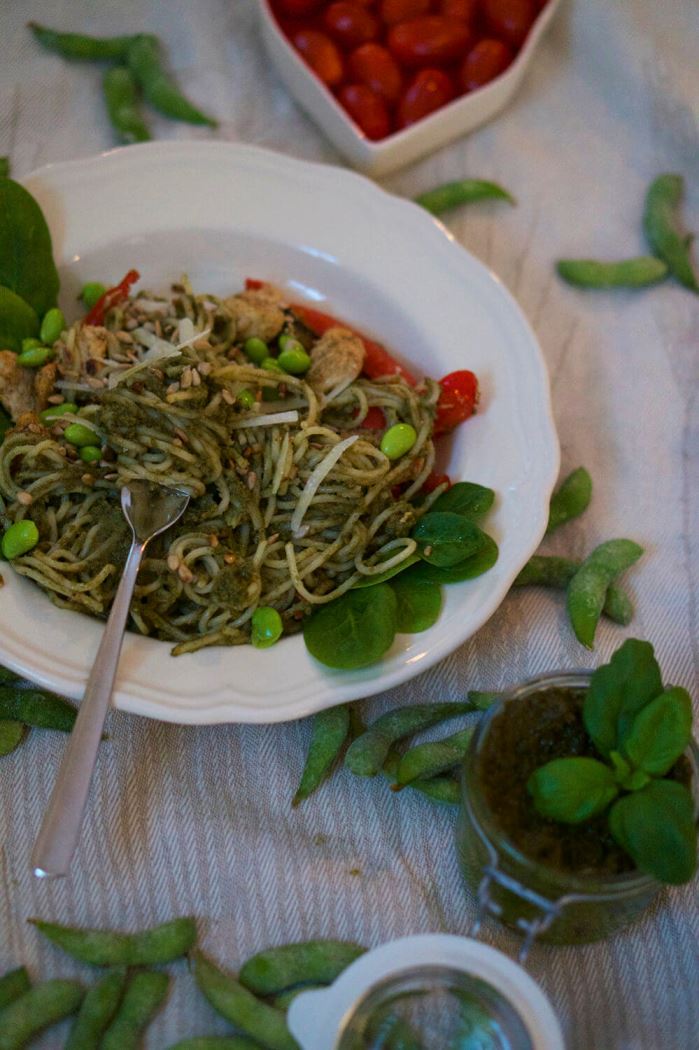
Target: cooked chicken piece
[[258, 312], [23, 389], [337, 358], [90, 344]]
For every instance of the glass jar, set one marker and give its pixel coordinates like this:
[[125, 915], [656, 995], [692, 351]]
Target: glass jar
[[536, 901]]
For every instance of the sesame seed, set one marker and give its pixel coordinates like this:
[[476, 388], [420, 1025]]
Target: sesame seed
[[56, 399], [185, 574], [204, 366], [25, 498], [87, 479], [173, 388], [229, 558], [213, 539], [202, 344], [173, 562], [252, 479], [196, 378], [124, 337], [186, 378], [227, 397]]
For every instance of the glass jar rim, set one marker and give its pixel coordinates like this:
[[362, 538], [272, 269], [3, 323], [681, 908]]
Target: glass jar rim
[[575, 884]]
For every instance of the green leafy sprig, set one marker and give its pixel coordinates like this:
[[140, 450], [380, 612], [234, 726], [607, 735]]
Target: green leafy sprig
[[641, 729]]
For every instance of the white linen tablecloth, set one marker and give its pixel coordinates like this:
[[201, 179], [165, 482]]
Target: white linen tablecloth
[[198, 820]]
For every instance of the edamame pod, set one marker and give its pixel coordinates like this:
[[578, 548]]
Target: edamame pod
[[78, 45], [662, 228], [144, 994], [33, 708], [4, 167], [367, 754], [437, 789], [284, 1000], [233, 1001], [570, 499], [317, 962], [625, 273], [161, 944], [328, 735], [121, 98], [436, 756], [97, 1012], [588, 588], [13, 984], [11, 734], [551, 571], [158, 87], [463, 191], [217, 1042], [42, 1006]]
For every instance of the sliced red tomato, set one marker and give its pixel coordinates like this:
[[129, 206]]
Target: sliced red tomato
[[434, 480], [253, 285], [112, 297], [377, 360], [457, 400], [374, 419]]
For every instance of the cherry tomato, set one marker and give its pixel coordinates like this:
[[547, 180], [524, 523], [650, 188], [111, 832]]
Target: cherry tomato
[[487, 60], [392, 11], [463, 10], [373, 65], [428, 41], [350, 24], [298, 8], [321, 54], [366, 109], [433, 480], [374, 419], [430, 90], [457, 400], [509, 19]]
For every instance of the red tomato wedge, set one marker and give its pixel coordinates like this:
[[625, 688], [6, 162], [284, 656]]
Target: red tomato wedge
[[112, 297], [434, 480], [374, 419], [457, 400]]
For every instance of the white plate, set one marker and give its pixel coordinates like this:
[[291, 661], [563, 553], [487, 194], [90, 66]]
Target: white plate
[[221, 212]]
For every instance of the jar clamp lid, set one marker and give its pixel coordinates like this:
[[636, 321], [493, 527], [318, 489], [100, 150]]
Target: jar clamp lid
[[438, 985]]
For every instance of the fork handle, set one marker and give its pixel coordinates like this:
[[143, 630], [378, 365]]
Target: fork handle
[[60, 828]]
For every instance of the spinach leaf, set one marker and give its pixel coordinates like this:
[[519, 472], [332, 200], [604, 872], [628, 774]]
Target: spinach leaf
[[475, 565], [17, 320], [572, 790], [660, 732], [465, 497], [26, 255], [618, 691], [419, 604], [355, 629], [444, 538], [381, 577], [656, 828]]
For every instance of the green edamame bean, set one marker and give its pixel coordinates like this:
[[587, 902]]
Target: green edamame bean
[[588, 587], [464, 191], [56, 411], [246, 399], [398, 440], [367, 754], [244, 1010], [92, 292], [570, 499], [11, 734], [256, 350], [42, 1006], [36, 357], [160, 944], [328, 735], [19, 538], [624, 273], [267, 627], [436, 756], [121, 98], [77, 45], [90, 453], [555, 572], [317, 962], [13, 984], [661, 224], [79, 435], [270, 364], [4, 167], [30, 343], [96, 1013], [158, 87], [34, 708], [294, 359], [144, 995], [217, 1042], [52, 326]]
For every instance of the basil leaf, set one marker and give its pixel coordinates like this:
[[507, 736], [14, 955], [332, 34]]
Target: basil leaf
[[17, 320], [617, 692], [354, 630], [656, 828], [444, 539], [660, 732], [572, 790], [26, 255], [419, 604], [475, 565], [381, 577], [466, 498]]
